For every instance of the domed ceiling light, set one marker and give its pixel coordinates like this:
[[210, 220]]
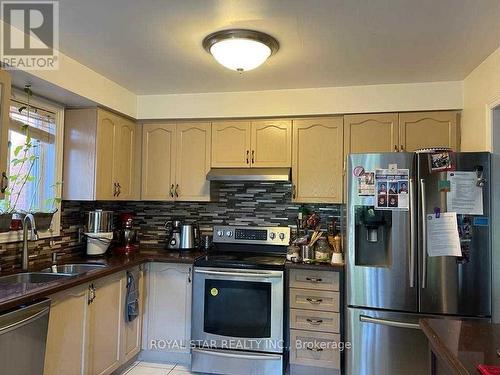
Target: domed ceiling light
[[240, 49]]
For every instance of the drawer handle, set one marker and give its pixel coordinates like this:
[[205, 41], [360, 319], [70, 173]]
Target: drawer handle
[[314, 279], [314, 322], [314, 301], [314, 349]]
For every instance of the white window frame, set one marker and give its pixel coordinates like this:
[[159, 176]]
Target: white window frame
[[58, 110]]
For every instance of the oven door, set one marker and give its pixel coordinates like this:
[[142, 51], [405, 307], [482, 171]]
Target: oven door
[[238, 309]]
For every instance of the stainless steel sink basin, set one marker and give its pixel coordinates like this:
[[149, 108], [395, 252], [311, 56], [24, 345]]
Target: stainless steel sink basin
[[32, 277], [75, 268]]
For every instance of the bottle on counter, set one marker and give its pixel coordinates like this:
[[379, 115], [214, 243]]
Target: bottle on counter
[[322, 250]]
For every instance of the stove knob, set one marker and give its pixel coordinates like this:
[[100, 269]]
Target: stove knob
[[229, 233], [282, 236], [272, 235], [220, 233]]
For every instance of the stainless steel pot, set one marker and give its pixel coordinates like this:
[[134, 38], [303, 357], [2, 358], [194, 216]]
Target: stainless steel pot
[[99, 221]]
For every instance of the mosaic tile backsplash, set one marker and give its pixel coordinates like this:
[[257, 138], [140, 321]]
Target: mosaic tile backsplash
[[256, 203]]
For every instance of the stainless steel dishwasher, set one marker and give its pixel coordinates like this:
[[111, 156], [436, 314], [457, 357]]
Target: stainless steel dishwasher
[[23, 332]]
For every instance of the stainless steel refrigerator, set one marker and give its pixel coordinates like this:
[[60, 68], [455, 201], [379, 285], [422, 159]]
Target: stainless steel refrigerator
[[391, 280]]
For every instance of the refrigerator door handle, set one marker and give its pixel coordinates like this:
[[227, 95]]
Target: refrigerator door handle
[[387, 322], [424, 234], [411, 261]]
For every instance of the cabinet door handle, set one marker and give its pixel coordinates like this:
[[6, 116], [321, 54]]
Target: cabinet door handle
[[177, 190], [314, 301], [4, 184], [314, 349], [248, 152], [172, 190], [294, 191], [119, 188], [401, 148], [91, 297], [114, 189], [189, 275], [314, 322], [396, 148], [314, 279], [253, 156]]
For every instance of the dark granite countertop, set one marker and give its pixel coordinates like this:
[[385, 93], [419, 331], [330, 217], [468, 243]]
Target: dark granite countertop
[[461, 345], [12, 295], [314, 266]]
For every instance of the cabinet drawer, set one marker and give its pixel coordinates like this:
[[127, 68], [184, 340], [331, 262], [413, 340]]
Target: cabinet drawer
[[315, 320], [314, 300], [314, 349], [312, 279]]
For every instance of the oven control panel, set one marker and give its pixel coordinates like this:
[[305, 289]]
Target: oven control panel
[[252, 235]]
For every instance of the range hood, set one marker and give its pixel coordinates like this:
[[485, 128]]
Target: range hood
[[249, 174]]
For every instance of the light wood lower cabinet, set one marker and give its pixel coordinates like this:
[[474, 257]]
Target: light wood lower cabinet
[[105, 334], [88, 333], [133, 330], [315, 322], [167, 318], [66, 349]]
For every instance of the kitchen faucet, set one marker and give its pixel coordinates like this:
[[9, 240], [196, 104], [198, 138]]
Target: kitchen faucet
[[33, 237]]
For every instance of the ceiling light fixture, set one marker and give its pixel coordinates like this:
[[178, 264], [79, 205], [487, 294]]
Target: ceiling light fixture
[[240, 49]]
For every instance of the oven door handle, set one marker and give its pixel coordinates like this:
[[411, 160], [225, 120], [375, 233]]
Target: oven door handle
[[221, 353], [262, 274]]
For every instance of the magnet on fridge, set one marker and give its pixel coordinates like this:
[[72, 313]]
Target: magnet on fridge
[[444, 186], [393, 167], [437, 212]]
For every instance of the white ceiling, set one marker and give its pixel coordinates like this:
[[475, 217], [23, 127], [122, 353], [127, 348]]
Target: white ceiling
[[154, 46]]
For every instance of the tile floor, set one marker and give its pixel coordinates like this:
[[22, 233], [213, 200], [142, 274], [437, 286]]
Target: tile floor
[[148, 368]]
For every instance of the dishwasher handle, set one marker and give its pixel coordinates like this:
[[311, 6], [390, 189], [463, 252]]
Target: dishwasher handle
[[23, 316]]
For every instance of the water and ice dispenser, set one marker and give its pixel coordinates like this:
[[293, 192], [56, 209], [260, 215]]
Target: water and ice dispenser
[[373, 236]]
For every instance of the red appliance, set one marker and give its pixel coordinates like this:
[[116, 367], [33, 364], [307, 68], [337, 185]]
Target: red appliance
[[126, 236]]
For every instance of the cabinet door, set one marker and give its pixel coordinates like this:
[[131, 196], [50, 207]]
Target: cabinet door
[[65, 348], [271, 143], [105, 325], [193, 161], [169, 300], [132, 331], [429, 129], [231, 144], [124, 159], [158, 161], [371, 133], [4, 128], [317, 160], [106, 150]]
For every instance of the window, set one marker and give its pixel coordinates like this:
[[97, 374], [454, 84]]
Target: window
[[35, 172]]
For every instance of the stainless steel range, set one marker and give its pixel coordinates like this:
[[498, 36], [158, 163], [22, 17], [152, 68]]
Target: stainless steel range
[[238, 288]]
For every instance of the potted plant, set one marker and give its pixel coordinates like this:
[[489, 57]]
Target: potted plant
[[43, 218]]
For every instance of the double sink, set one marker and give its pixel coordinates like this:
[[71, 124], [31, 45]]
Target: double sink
[[49, 274]]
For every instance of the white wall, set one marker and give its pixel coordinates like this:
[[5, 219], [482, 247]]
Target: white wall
[[481, 93], [83, 81], [315, 101]]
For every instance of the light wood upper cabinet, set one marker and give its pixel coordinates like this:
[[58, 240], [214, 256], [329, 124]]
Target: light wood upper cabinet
[[105, 325], [193, 161], [5, 85], [371, 133], [175, 161], [65, 347], [271, 143], [100, 153], [317, 160], [231, 144], [429, 129], [158, 161]]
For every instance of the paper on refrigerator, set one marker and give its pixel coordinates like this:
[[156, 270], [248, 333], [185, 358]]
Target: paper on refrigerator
[[442, 235], [464, 197]]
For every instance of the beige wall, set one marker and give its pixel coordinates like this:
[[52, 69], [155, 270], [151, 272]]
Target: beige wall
[[315, 101], [481, 92]]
